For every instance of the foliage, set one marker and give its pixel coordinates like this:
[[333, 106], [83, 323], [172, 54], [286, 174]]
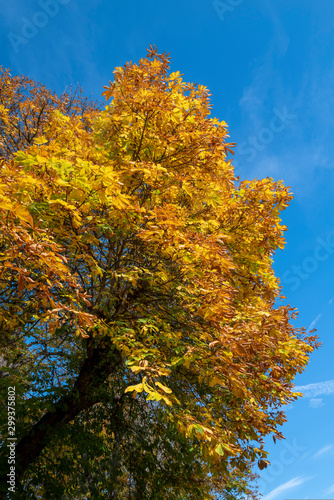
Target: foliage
[[138, 304], [26, 108]]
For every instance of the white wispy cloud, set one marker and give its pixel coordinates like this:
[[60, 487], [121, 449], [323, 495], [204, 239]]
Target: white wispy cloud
[[330, 490], [277, 492], [323, 450], [314, 322], [313, 390], [316, 403]]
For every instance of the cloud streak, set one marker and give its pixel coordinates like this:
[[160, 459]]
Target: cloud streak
[[313, 390], [330, 490], [323, 450], [314, 322], [316, 403], [277, 492]]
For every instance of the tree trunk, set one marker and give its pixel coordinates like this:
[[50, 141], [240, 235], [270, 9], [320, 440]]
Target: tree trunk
[[94, 372]]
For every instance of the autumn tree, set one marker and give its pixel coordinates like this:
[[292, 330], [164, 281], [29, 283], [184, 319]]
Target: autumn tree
[[139, 309]]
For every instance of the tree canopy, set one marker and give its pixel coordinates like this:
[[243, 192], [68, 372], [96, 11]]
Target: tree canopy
[[139, 310]]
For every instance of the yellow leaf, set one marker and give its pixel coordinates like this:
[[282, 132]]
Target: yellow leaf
[[61, 182], [23, 214], [136, 369], [154, 396], [216, 380], [137, 388], [40, 140], [220, 450], [62, 202], [164, 388]]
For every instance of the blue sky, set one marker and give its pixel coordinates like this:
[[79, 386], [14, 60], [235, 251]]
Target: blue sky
[[270, 69]]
